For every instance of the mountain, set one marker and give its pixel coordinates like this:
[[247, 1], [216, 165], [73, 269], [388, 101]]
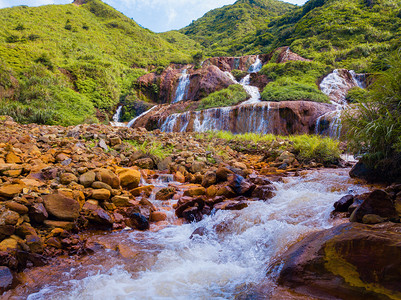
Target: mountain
[[227, 31], [61, 64]]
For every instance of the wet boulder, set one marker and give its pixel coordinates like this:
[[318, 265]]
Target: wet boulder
[[166, 193], [264, 192], [209, 179], [87, 178], [345, 262], [61, 207], [107, 176], [239, 185], [138, 221], [129, 178], [378, 203], [344, 203]]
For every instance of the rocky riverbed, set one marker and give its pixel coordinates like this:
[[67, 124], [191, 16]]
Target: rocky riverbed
[[130, 206]]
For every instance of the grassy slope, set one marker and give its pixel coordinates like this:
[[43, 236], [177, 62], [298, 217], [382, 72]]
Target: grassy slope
[[227, 31], [88, 53]]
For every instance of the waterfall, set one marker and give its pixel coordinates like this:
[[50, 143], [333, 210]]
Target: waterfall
[[336, 86], [238, 119], [116, 118], [256, 67], [183, 85], [131, 123]]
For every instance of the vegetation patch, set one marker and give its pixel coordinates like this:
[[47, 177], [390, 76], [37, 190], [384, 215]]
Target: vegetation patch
[[232, 95]]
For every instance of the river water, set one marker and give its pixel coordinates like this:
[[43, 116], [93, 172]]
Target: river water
[[228, 262]]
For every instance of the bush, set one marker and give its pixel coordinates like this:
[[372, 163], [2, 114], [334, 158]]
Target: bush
[[12, 38], [226, 97], [375, 128], [356, 94], [288, 90]]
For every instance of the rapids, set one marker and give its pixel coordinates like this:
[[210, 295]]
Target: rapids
[[230, 260]]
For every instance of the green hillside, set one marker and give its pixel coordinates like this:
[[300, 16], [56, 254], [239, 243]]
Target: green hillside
[[64, 63], [228, 30], [354, 34]]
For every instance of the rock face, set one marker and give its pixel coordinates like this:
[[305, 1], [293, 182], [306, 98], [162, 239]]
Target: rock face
[[288, 117], [203, 82], [345, 262], [242, 63]]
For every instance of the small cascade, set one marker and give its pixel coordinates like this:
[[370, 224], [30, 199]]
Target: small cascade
[[252, 91], [116, 118], [131, 123], [336, 85], [182, 88], [212, 119], [256, 67]]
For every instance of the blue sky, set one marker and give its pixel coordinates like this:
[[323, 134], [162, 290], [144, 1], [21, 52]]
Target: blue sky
[[157, 15]]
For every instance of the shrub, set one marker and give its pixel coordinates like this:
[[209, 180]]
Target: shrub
[[288, 90], [12, 38], [226, 97]]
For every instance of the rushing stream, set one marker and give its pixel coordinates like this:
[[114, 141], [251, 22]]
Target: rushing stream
[[229, 261]]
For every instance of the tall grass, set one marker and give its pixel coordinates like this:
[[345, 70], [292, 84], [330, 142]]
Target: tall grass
[[306, 147]]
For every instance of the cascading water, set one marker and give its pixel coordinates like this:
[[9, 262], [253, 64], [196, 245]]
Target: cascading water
[[116, 118], [131, 123], [336, 86], [228, 261], [256, 66], [183, 85]]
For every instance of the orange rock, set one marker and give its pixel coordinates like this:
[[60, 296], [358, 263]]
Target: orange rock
[[147, 189], [158, 216], [12, 158], [179, 177], [10, 190]]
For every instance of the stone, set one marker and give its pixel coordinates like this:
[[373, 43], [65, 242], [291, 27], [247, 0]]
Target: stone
[[9, 245], [101, 217], [377, 203], [54, 242], [264, 192], [240, 165], [101, 185], [6, 279], [158, 216], [192, 214], [166, 193], [25, 229], [61, 207], [145, 163], [38, 213], [239, 185], [225, 191], [209, 179], [211, 191], [121, 201], [6, 230], [344, 262], [344, 203], [19, 208], [59, 224], [200, 231], [138, 221], [11, 190], [197, 166], [87, 178], [67, 178], [222, 173], [9, 217], [129, 178], [114, 141], [179, 177], [142, 190], [101, 194], [12, 158], [231, 205], [102, 144], [372, 219], [34, 243], [107, 176], [195, 191]]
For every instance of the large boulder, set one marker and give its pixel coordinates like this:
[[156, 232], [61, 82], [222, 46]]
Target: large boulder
[[349, 261], [129, 178], [62, 207], [377, 203], [6, 279]]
